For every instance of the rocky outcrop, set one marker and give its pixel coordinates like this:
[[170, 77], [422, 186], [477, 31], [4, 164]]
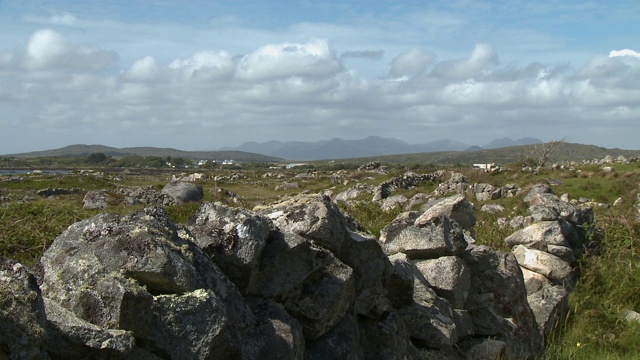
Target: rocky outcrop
[[292, 280]]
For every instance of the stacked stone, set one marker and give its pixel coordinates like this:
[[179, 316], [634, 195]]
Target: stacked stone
[[547, 250]]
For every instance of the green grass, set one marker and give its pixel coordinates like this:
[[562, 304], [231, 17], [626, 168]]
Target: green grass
[[27, 229], [608, 286]]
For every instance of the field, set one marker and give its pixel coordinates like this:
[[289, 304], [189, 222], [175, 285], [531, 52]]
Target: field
[[610, 275]]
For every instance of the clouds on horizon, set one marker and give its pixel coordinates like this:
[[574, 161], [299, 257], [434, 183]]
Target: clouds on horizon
[[306, 89]]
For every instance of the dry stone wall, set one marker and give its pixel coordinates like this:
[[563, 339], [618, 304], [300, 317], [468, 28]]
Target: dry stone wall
[[294, 280]]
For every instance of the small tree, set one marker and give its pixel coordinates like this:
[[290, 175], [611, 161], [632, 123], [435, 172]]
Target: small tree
[[96, 158], [540, 154]]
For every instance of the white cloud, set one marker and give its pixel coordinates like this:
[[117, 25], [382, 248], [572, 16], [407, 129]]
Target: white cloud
[[311, 59], [49, 49], [205, 65], [624, 52], [64, 19], [45, 48], [143, 69], [412, 62], [482, 58]]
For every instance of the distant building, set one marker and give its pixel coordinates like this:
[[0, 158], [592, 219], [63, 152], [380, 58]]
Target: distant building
[[485, 167], [291, 166], [228, 162]]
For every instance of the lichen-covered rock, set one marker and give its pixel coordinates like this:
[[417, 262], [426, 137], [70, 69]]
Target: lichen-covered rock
[[71, 337], [437, 237], [234, 239], [314, 217], [22, 313], [135, 273]]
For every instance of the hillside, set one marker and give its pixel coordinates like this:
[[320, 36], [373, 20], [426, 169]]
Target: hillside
[[506, 155], [80, 150]]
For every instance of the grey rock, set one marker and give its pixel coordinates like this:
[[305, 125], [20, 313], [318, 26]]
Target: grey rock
[[487, 349], [313, 217], [99, 199], [386, 338], [456, 207], [322, 299], [449, 277], [392, 202], [135, 273], [437, 237], [183, 192], [492, 208], [278, 335], [234, 239], [551, 266], [549, 306], [539, 236], [72, 337], [342, 341], [486, 192], [22, 313]]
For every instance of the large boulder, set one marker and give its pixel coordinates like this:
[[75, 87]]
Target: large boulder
[[183, 191], [135, 273]]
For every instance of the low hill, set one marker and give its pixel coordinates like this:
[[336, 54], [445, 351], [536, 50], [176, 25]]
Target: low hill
[[80, 150]]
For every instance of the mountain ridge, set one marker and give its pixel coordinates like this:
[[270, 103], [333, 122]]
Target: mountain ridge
[[338, 148]]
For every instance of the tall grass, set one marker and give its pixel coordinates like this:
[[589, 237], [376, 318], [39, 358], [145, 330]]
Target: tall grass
[[27, 229]]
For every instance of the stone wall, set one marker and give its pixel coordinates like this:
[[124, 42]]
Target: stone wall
[[293, 280]]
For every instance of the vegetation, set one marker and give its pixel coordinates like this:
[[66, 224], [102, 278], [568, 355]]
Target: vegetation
[[610, 276]]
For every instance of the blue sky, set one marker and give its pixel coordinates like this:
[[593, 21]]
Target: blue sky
[[197, 75]]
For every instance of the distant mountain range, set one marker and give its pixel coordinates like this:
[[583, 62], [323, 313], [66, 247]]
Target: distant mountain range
[[372, 146]]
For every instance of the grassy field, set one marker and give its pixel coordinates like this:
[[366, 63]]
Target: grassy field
[[610, 277]]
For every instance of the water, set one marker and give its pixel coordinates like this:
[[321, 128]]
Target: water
[[27, 172]]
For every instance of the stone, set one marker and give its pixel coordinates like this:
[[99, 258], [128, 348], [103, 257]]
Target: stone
[[486, 192], [437, 237], [183, 192], [456, 207], [98, 199], [72, 337], [135, 273], [550, 266], [539, 236], [278, 335], [449, 277], [313, 217], [22, 313], [234, 239], [549, 306], [322, 299], [342, 341], [492, 208], [392, 202]]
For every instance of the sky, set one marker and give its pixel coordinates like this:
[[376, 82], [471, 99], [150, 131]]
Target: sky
[[201, 75]]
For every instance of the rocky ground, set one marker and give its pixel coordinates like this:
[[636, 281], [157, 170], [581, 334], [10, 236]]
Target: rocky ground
[[298, 278]]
